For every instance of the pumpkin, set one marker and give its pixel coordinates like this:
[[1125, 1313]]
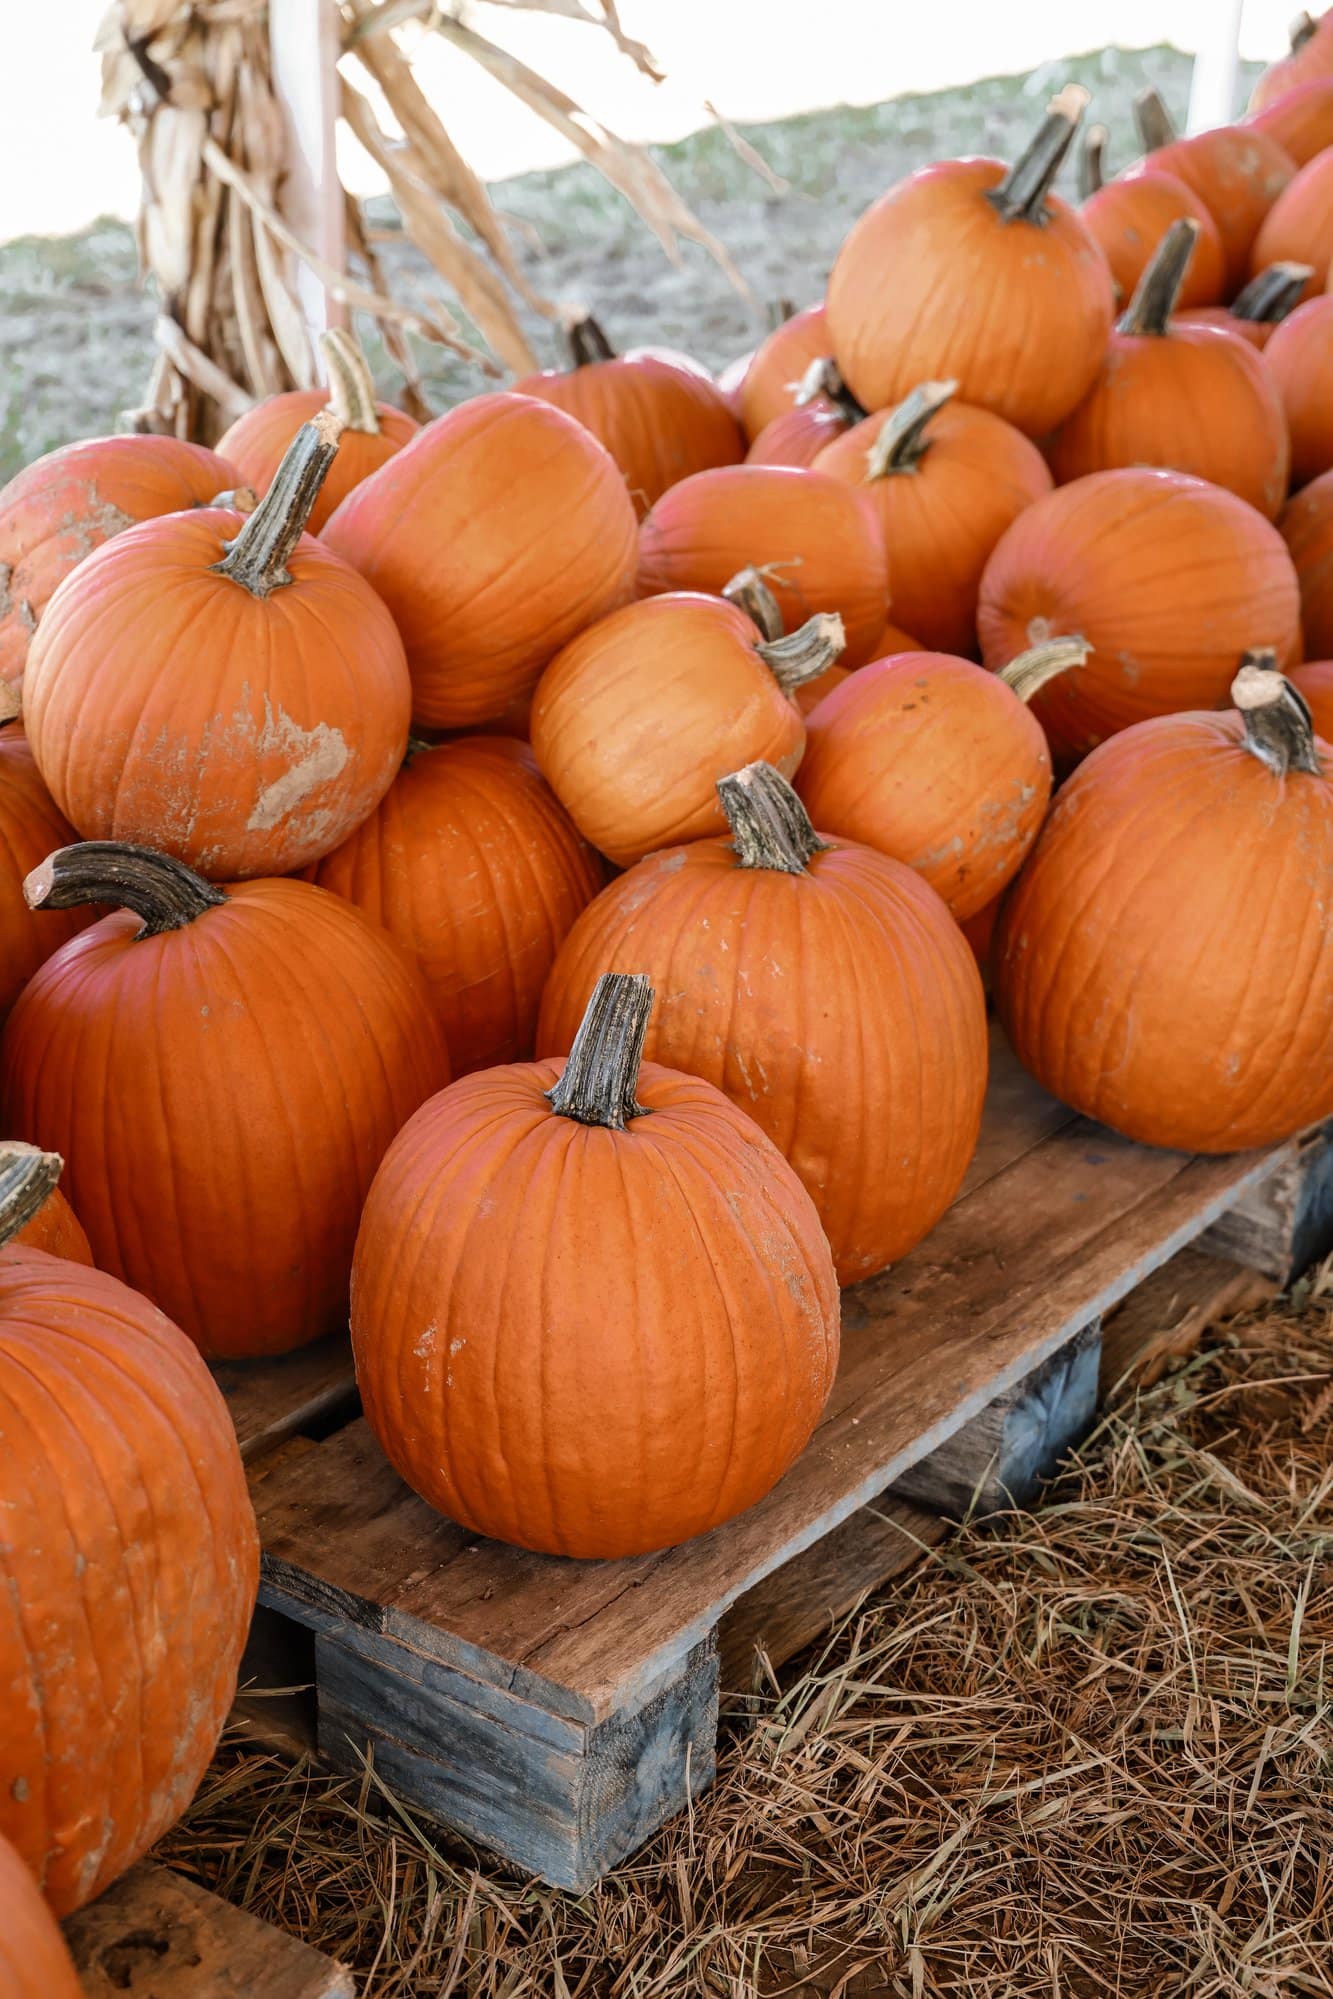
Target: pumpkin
[[54, 1226], [1299, 226], [1301, 119], [224, 1073], [945, 481], [937, 763], [979, 931], [659, 414], [1127, 220], [779, 365], [799, 435], [824, 988], [30, 827], [372, 431], [224, 689], [1314, 682], [1164, 962], [1307, 528], [636, 720], [1310, 57], [816, 541], [1255, 313], [1186, 396], [34, 1963], [1237, 171], [973, 272], [497, 534], [63, 506], [698, 1376], [471, 863], [1299, 360], [129, 1562], [1166, 577]]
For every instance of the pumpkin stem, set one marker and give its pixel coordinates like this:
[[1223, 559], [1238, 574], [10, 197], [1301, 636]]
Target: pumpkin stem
[[1092, 162], [1021, 195], [805, 654], [257, 558], [903, 443], [351, 386], [27, 1180], [1149, 311], [780, 310], [236, 499], [163, 891], [1273, 294], [1279, 728], [1153, 121], [770, 828], [1301, 30], [587, 343], [602, 1072], [748, 591], [824, 378], [1027, 674]]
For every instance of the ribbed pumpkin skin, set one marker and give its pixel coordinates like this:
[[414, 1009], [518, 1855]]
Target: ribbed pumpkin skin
[[1238, 174], [1164, 963], [63, 506], [769, 384], [1299, 227], [499, 532], [34, 1963], [222, 1095], [591, 1342], [1127, 219], [1301, 119], [1195, 399], [799, 435], [1307, 529], [30, 829], [840, 1008], [1256, 332], [931, 284], [1167, 578], [256, 442], [244, 735], [942, 519], [473, 865], [935, 762], [128, 1569], [634, 722], [818, 538], [660, 417], [57, 1229], [1315, 681], [1312, 60], [1299, 359]]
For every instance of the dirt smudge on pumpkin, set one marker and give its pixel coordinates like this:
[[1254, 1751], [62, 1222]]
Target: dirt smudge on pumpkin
[[317, 755]]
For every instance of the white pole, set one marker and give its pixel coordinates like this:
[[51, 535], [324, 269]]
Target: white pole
[[1216, 68], [303, 40]]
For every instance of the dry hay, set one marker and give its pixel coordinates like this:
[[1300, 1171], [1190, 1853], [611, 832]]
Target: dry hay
[[1081, 1752]]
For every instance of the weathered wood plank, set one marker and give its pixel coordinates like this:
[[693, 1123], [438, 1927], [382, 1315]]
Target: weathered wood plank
[[157, 1935], [1169, 1313], [1283, 1226], [273, 1400]]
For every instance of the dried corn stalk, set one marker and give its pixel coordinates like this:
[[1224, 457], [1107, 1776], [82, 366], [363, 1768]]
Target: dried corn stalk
[[192, 80]]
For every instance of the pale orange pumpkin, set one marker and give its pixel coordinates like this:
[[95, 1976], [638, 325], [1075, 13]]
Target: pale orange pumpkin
[[1128, 218], [1310, 58], [1301, 119], [1299, 226], [778, 366], [30, 827], [1237, 171], [1299, 358], [799, 435], [1307, 528], [34, 1963], [1314, 681]]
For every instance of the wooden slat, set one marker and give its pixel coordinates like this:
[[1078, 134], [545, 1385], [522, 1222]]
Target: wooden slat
[[1169, 1313], [273, 1400]]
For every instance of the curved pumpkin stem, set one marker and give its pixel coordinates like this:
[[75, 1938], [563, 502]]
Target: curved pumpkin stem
[[27, 1180], [236, 499], [1021, 195], [770, 828], [602, 1072], [351, 385], [1279, 728], [257, 558], [1273, 294], [1149, 311], [903, 443], [164, 892], [749, 592], [1092, 162], [587, 343], [823, 378], [805, 654], [1152, 121], [1026, 675], [1301, 30]]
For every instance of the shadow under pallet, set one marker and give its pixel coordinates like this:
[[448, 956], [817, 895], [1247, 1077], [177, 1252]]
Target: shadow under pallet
[[559, 1712]]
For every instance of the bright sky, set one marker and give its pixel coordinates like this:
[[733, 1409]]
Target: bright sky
[[60, 166]]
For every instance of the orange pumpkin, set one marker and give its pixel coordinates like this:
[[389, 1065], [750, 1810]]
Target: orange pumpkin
[[226, 690], [816, 541], [1164, 962], [500, 531], [1299, 359], [659, 414], [636, 720], [945, 481], [372, 431], [128, 1563], [1299, 226], [1256, 313], [972, 272], [1311, 57], [1127, 219], [1167, 578], [223, 1073], [1314, 681], [824, 988], [1237, 171], [1189, 397], [471, 863], [1307, 528], [1301, 119], [979, 931], [701, 1373], [939, 764], [799, 435], [62, 507], [34, 1963], [30, 827], [779, 366]]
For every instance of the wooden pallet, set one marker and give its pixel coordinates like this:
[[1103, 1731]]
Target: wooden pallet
[[558, 1712]]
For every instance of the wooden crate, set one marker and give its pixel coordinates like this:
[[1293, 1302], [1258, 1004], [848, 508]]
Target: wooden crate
[[558, 1712]]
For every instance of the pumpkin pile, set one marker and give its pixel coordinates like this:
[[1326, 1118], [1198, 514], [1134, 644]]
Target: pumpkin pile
[[526, 880]]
